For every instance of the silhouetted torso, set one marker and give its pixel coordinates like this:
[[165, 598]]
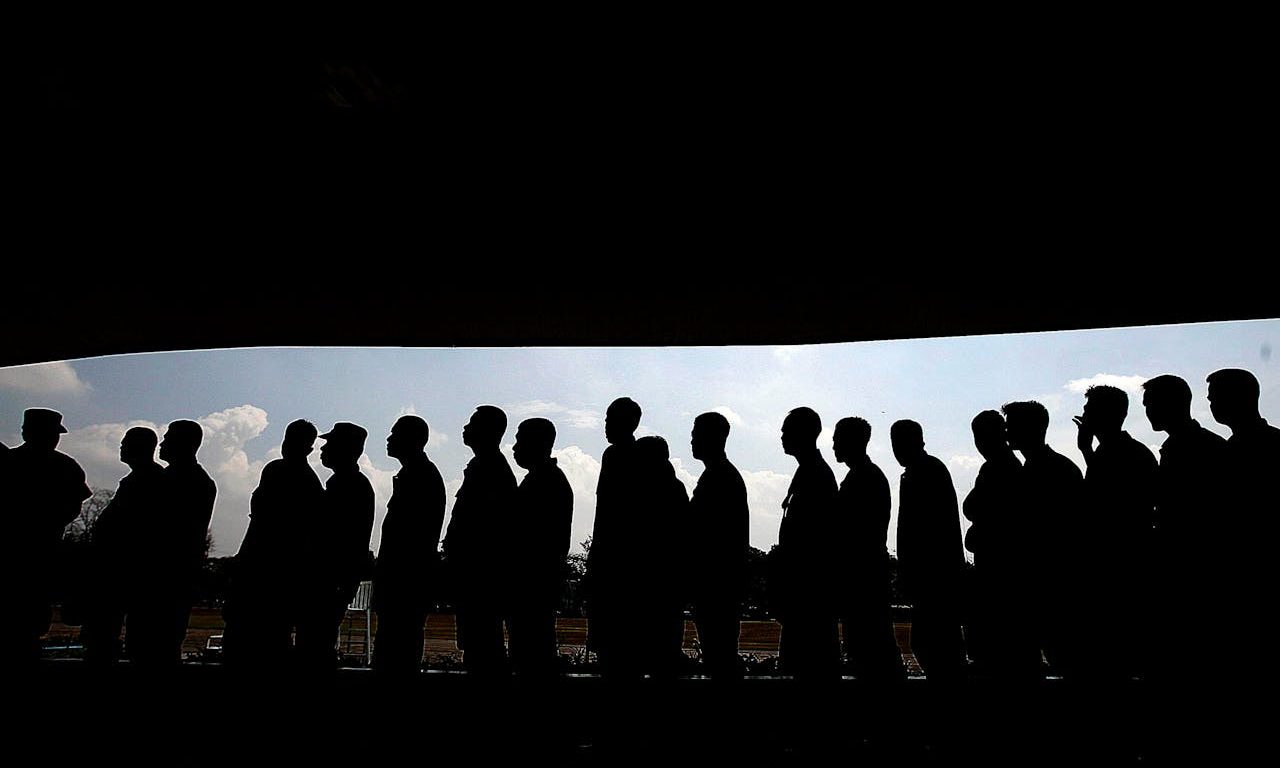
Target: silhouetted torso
[[337, 558], [1191, 555], [930, 563], [477, 546], [265, 590], [1120, 495], [719, 521], [805, 599], [175, 540], [1055, 491], [40, 493], [116, 555], [407, 563], [540, 534], [1001, 633], [864, 506], [614, 557]]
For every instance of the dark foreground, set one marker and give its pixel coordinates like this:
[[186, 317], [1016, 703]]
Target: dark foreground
[[204, 714]]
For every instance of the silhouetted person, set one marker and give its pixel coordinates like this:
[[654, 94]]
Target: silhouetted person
[[41, 490], [658, 612], [1190, 543], [114, 574], [408, 558], [1120, 495], [1054, 490], [477, 545], [263, 604], [1254, 453], [863, 505], [175, 541], [718, 526], [541, 532], [1002, 639], [930, 554], [615, 555], [809, 645], [337, 550]]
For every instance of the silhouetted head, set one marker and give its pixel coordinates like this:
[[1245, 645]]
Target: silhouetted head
[[1105, 409], [800, 431], [534, 440], [652, 451], [851, 438], [42, 428], [988, 434], [342, 445], [181, 441], [1167, 400], [1025, 424], [408, 437], [484, 431], [1233, 397], [138, 446], [621, 420], [907, 438], [710, 433], [299, 440]]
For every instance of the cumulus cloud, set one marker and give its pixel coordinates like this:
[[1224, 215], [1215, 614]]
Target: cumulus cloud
[[97, 448], [58, 378], [581, 419], [966, 462], [1130, 384]]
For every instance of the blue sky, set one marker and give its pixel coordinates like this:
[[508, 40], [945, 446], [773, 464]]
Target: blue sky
[[246, 397]]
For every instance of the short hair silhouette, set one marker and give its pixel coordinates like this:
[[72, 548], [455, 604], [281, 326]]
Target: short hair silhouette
[[1029, 413], [415, 430], [805, 421], [653, 448], [301, 431], [626, 409], [907, 430], [987, 423], [1236, 384], [1170, 389], [856, 428], [185, 435], [143, 437], [1111, 401], [714, 426], [539, 434], [490, 421]]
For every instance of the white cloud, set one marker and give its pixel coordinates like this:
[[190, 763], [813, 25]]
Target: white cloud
[[765, 491], [1130, 384], [734, 419], [58, 378], [580, 419], [966, 462], [97, 448]]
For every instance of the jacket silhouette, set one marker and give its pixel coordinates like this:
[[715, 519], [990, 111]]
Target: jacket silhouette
[[41, 490], [540, 537], [408, 563], [719, 520], [266, 589]]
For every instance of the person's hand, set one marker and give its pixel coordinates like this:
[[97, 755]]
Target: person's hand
[[1084, 436]]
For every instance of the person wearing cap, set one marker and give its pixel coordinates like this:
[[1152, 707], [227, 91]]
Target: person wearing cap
[[408, 555], [337, 557], [174, 544], [41, 490], [476, 544], [114, 549], [262, 605]]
